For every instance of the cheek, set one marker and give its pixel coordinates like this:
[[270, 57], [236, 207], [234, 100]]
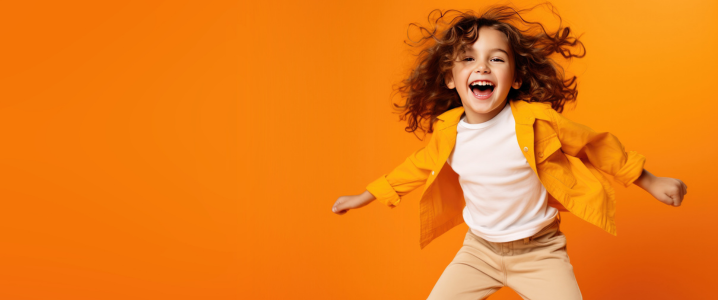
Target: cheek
[[508, 78], [465, 76]]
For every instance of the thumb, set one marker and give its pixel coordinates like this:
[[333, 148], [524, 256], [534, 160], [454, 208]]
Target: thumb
[[665, 198], [676, 199], [338, 206], [671, 198]]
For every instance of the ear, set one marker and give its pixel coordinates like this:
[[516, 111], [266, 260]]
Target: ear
[[449, 80], [517, 83]]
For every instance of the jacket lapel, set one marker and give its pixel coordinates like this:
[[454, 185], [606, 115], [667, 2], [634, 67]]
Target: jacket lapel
[[446, 131], [524, 119]]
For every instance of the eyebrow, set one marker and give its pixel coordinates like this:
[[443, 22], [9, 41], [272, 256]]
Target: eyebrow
[[499, 49], [492, 50]]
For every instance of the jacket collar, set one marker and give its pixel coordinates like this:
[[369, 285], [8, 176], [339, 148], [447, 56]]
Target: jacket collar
[[524, 113]]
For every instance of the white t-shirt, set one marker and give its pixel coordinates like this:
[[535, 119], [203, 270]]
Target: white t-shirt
[[505, 201]]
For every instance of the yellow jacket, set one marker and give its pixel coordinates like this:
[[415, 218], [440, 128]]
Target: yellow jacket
[[573, 176]]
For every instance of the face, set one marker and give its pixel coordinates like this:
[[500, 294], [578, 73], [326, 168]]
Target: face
[[484, 75]]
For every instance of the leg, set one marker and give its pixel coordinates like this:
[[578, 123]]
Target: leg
[[471, 275]]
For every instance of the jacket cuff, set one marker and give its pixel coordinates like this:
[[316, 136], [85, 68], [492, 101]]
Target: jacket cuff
[[632, 169], [383, 192]]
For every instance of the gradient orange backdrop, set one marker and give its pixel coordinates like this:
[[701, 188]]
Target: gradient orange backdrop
[[193, 150]]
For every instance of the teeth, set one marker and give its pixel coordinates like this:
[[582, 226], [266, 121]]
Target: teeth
[[481, 83]]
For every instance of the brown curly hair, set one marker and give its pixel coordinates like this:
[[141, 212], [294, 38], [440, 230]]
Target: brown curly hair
[[542, 79]]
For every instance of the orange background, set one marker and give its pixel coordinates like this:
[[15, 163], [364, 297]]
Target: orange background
[[193, 150]]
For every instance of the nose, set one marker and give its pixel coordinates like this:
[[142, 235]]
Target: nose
[[482, 69]]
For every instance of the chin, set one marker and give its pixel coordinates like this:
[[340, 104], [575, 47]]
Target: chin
[[480, 111], [486, 106]]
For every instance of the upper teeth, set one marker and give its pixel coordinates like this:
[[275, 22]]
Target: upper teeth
[[481, 83]]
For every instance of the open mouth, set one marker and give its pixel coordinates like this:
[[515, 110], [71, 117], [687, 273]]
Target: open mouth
[[482, 89]]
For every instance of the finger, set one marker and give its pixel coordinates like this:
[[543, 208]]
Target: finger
[[338, 205], [677, 193], [665, 198], [685, 188], [668, 198], [681, 192], [677, 199], [340, 208]]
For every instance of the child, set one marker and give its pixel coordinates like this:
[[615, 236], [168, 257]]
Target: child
[[503, 159]]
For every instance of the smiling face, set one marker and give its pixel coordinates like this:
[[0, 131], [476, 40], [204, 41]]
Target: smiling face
[[484, 75]]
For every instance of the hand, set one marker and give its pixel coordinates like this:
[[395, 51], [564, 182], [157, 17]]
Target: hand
[[667, 190], [345, 203]]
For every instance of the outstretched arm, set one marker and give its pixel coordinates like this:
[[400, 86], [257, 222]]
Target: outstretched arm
[[409, 175], [388, 189], [602, 149], [607, 153], [667, 190]]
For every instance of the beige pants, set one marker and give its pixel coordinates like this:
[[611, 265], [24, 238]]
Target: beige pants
[[536, 268]]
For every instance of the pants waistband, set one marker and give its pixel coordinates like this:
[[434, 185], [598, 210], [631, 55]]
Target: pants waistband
[[557, 220]]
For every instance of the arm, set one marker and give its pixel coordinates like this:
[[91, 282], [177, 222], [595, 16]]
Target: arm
[[409, 175], [602, 149], [389, 188], [605, 152], [644, 181]]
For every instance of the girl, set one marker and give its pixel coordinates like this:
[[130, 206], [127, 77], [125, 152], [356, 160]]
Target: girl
[[503, 159]]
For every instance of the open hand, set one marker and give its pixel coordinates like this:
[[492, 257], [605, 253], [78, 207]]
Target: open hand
[[345, 203]]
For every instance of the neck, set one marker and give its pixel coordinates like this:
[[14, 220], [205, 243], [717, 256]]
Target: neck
[[474, 118]]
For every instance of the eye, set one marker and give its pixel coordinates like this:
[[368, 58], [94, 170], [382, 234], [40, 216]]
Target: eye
[[468, 59], [497, 59]]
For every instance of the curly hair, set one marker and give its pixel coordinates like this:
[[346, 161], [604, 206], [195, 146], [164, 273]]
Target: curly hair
[[542, 79]]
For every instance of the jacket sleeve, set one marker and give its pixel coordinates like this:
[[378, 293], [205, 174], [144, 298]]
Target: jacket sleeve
[[411, 174], [602, 149]]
